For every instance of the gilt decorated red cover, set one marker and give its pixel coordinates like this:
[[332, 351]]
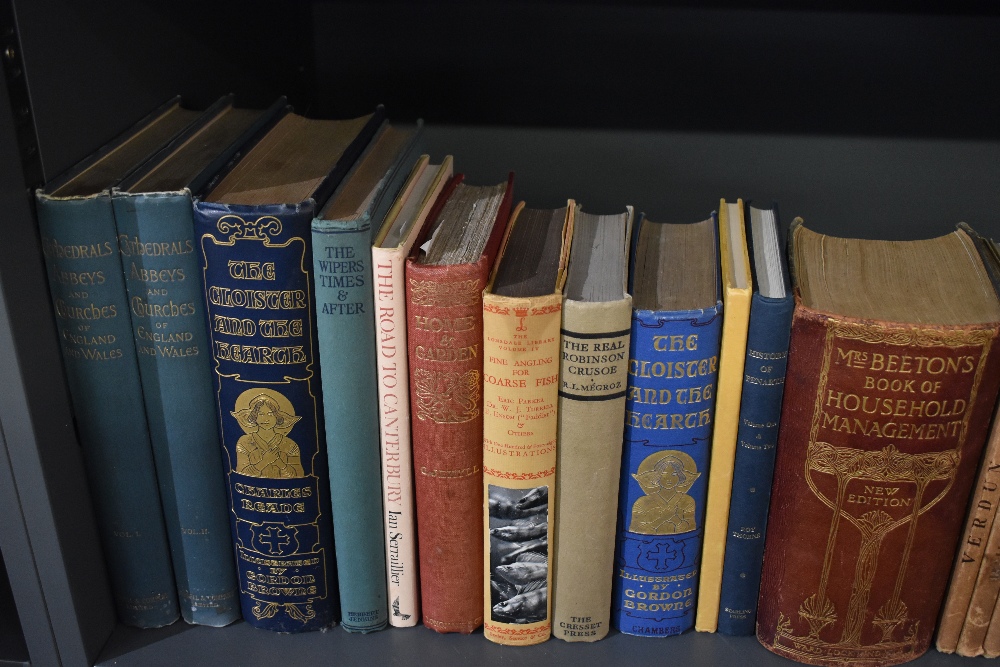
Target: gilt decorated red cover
[[881, 431], [444, 329]]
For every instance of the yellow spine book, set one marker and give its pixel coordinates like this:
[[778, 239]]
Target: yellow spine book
[[520, 399], [738, 289]]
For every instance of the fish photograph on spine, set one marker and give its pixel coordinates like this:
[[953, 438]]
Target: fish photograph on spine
[[519, 553]]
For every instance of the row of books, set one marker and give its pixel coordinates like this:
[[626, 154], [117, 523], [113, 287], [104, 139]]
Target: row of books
[[473, 391]]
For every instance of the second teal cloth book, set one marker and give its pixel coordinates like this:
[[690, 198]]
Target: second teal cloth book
[[153, 214], [168, 322], [345, 320]]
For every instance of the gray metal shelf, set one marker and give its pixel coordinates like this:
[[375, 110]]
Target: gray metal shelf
[[242, 645]]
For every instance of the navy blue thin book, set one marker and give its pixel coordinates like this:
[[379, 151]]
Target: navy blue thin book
[[760, 410]]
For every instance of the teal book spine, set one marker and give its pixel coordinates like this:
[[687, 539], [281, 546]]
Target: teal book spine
[[673, 371], [79, 243], [256, 264], [345, 321], [346, 325], [167, 308]]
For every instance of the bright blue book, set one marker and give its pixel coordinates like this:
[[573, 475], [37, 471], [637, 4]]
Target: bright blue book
[[342, 261], [673, 369], [760, 411], [153, 214], [80, 245], [257, 264]]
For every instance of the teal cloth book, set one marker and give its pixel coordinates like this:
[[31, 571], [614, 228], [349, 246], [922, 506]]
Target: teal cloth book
[[252, 229], [345, 320], [153, 214], [80, 246], [669, 405]]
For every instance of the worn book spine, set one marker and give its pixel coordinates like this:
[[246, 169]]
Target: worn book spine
[[444, 337], [344, 306], [984, 599], [991, 643], [167, 309], [257, 271], [881, 430], [756, 441], [520, 407], [80, 245], [593, 377], [673, 369], [969, 559]]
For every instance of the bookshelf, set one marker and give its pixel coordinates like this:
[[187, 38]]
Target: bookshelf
[[862, 120]]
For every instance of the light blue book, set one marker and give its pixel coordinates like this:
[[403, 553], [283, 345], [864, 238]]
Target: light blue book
[[345, 321]]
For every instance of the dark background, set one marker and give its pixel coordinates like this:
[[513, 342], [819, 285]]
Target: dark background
[[789, 68], [873, 119]]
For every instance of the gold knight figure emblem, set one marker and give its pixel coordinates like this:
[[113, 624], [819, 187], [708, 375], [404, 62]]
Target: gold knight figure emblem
[[666, 509], [266, 417]]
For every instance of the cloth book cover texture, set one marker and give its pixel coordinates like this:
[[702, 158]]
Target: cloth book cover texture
[[257, 269], [984, 599], [987, 583], [673, 369], [345, 321], [970, 559], [737, 286], [388, 264], [757, 438], [167, 308], [520, 402], [593, 376], [991, 645], [80, 245], [881, 429], [444, 311], [760, 412]]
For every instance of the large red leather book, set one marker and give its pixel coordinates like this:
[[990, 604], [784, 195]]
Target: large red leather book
[[882, 426], [444, 328]]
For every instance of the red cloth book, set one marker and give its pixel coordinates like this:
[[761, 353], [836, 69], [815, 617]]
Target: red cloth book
[[882, 427], [444, 328]]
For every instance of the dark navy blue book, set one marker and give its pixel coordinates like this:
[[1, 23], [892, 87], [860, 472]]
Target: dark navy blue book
[[760, 410], [670, 401], [253, 232]]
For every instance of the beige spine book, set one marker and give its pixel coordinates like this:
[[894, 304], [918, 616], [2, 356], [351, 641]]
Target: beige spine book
[[522, 316], [399, 230], [991, 644], [593, 378], [984, 599], [987, 584], [970, 557]]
